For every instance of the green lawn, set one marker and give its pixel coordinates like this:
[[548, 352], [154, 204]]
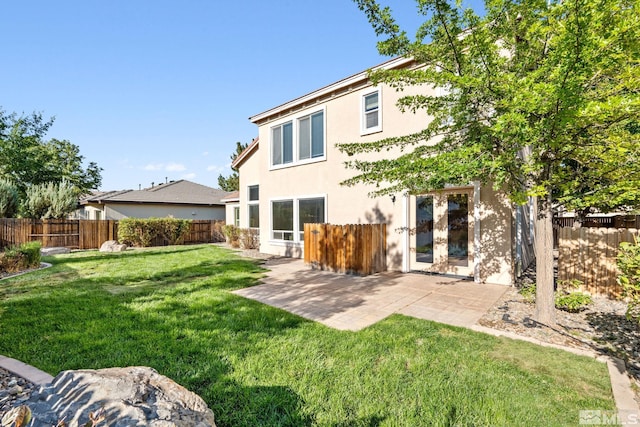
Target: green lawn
[[171, 309]]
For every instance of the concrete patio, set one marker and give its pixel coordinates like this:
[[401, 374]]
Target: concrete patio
[[352, 302]]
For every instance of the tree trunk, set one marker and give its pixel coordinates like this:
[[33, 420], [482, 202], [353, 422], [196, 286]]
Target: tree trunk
[[545, 301]]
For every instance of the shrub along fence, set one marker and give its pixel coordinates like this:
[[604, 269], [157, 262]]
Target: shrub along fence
[[88, 234], [356, 248], [589, 255]]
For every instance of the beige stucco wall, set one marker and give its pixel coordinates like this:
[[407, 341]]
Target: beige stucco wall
[[344, 205], [496, 237], [120, 211], [348, 205], [228, 212]]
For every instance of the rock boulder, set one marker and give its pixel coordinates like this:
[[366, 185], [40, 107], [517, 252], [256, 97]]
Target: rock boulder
[[112, 246], [132, 396]]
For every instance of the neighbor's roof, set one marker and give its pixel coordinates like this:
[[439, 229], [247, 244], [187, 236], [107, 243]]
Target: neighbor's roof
[[234, 196], [180, 192]]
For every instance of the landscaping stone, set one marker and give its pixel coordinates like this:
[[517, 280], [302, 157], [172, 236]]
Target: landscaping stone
[[112, 246], [132, 396], [54, 251], [14, 390]]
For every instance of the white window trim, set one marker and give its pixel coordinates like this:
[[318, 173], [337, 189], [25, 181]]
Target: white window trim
[[296, 141], [233, 210], [252, 203], [296, 220], [363, 118]]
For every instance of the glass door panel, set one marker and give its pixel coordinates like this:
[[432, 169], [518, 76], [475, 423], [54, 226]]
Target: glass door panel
[[458, 230], [424, 229]]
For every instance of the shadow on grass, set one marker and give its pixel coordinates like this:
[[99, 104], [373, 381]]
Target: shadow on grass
[[94, 255], [183, 322]]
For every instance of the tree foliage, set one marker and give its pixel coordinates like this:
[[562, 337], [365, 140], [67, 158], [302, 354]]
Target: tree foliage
[[49, 201], [232, 182], [27, 158], [541, 100], [9, 199]]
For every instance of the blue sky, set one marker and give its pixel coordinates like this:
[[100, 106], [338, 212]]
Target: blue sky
[[163, 89]]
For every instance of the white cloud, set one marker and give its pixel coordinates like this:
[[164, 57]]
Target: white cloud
[[215, 168], [206, 153], [168, 167], [153, 167], [175, 167], [189, 175]]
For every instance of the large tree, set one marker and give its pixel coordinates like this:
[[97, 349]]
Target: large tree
[[232, 182], [27, 158], [541, 99]]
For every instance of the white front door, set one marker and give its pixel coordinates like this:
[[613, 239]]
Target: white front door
[[441, 239]]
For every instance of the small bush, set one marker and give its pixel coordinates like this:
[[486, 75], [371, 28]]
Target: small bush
[[528, 292], [18, 258], [232, 233], [567, 297], [218, 232], [628, 262], [249, 237], [141, 232]]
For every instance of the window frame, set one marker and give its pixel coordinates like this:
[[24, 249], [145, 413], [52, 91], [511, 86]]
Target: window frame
[[297, 238], [295, 120], [236, 215], [363, 113], [253, 204]]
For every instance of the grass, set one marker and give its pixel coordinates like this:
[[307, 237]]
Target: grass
[[171, 309]]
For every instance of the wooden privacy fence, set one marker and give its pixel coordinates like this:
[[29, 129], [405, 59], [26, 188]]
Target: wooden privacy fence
[[88, 234], [589, 255], [355, 249]]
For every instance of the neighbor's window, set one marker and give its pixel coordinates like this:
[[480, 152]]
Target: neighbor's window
[[310, 211], [253, 206], [311, 136], [236, 216], [282, 220], [371, 120], [282, 144]]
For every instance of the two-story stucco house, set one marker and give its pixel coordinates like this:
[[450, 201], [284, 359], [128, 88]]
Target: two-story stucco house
[[291, 175]]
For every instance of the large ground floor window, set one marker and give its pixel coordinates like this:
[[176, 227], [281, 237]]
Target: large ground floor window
[[289, 216]]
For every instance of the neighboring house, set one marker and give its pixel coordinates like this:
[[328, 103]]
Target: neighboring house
[[232, 202], [291, 175], [179, 199]]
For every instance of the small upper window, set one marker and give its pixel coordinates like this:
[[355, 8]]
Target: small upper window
[[282, 144], [254, 193], [371, 120]]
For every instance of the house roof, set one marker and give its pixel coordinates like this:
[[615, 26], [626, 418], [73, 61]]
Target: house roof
[[180, 192], [331, 90], [234, 196], [246, 153]]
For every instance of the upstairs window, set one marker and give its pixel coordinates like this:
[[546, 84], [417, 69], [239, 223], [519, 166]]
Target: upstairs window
[[311, 136], [282, 144], [371, 114]]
